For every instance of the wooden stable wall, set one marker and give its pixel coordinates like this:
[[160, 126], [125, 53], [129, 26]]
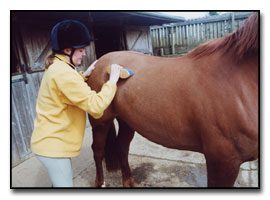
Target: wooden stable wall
[[175, 39], [23, 99]]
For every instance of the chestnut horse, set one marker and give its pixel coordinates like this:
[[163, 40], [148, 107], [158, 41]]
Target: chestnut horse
[[205, 101]]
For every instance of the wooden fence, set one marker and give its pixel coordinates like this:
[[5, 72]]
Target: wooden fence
[[179, 38]]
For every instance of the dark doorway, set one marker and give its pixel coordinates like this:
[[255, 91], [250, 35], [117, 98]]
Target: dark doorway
[[107, 39]]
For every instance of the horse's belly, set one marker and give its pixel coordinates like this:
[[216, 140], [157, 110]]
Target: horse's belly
[[176, 136]]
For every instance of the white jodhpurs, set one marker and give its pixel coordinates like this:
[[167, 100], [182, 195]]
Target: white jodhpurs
[[59, 170]]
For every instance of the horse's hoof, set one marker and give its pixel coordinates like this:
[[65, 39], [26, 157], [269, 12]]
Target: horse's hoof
[[129, 183], [100, 184], [103, 185]]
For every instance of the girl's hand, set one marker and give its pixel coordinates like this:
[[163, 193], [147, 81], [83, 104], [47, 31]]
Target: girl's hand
[[90, 69], [115, 72]]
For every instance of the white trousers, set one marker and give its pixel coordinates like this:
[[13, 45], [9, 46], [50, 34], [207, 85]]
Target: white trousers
[[59, 170]]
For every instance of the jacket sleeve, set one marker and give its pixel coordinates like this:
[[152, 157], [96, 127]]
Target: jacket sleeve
[[80, 94]]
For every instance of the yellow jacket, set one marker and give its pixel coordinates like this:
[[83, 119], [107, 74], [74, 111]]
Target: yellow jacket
[[62, 101]]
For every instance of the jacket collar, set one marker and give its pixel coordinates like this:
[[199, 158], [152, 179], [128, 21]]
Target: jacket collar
[[64, 59]]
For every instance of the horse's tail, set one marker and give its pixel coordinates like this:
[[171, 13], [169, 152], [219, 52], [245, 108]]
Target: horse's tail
[[112, 159]]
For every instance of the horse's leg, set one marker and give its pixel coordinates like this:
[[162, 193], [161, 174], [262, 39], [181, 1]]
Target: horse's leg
[[99, 140], [125, 135], [222, 171]]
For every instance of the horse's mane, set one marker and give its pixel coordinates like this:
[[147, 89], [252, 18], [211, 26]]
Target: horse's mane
[[239, 44]]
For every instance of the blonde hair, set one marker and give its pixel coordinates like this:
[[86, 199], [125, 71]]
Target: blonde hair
[[49, 60]]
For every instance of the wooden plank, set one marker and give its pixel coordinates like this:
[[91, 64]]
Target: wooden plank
[[222, 28], [33, 86], [184, 43], [207, 31], [213, 30], [154, 43], [176, 35], [21, 143], [193, 34], [162, 37], [187, 35], [180, 36], [24, 111], [198, 27], [167, 37], [216, 29], [203, 32], [152, 37], [210, 31], [173, 43], [18, 145], [211, 36], [157, 38], [232, 22], [15, 152], [190, 34]]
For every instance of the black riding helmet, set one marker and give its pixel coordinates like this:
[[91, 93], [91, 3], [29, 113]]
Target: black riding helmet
[[69, 34]]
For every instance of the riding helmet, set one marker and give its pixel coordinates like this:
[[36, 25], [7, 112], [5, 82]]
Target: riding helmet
[[69, 34]]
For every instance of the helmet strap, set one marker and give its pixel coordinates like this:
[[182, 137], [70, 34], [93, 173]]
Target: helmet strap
[[71, 55], [68, 55]]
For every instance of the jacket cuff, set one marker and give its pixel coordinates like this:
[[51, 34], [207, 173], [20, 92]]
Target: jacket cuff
[[84, 78]]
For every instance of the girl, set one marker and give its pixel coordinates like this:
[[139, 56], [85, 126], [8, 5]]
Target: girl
[[63, 99]]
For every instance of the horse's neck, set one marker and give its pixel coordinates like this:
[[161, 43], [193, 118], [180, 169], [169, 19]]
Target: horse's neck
[[251, 66]]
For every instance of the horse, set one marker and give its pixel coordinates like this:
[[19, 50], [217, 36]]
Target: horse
[[205, 101]]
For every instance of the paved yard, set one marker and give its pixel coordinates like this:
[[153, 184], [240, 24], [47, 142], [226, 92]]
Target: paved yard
[[152, 166]]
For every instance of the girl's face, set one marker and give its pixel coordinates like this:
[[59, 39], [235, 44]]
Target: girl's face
[[78, 56]]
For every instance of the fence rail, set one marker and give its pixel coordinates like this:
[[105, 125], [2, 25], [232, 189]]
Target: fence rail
[[179, 38]]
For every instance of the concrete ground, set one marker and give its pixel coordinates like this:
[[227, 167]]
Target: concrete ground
[[152, 166]]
